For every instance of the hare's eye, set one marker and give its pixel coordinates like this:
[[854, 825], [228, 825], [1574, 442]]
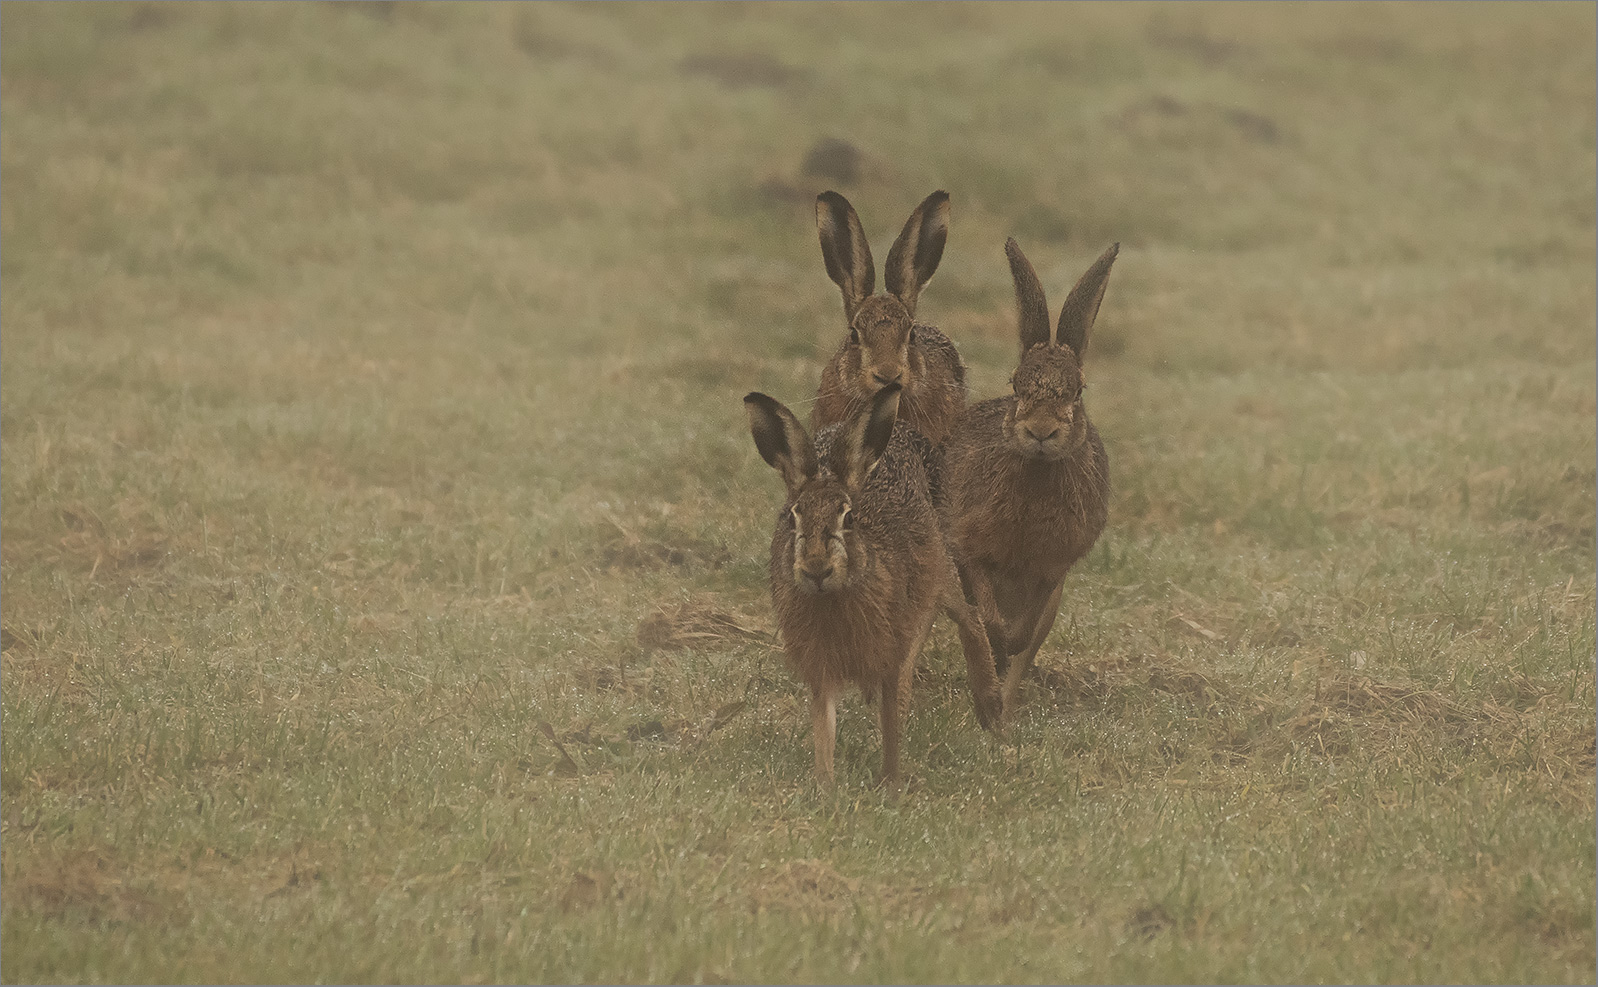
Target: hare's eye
[[848, 519], [793, 517], [854, 337], [912, 334]]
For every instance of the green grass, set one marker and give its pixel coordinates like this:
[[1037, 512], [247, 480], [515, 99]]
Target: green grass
[[369, 406]]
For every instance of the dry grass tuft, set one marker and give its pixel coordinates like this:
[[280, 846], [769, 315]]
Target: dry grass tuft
[[1096, 681], [106, 551], [1363, 696], [805, 885], [696, 625], [86, 883], [1582, 748], [1149, 921], [1078, 683], [627, 550], [16, 637], [586, 890], [1167, 676]]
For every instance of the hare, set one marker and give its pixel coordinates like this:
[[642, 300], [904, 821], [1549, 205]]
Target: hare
[[1025, 477], [885, 344], [859, 567]]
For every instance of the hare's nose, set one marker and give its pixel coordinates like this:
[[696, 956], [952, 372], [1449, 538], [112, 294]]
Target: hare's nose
[[885, 381], [820, 577], [1035, 437]]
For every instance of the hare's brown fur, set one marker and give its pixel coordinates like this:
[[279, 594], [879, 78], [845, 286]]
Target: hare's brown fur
[[932, 401], [859, 567], [1025, 477], [884, 344]]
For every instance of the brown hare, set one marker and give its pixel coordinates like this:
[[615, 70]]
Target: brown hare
[[859, 567], [1025, 477], [885, 344]]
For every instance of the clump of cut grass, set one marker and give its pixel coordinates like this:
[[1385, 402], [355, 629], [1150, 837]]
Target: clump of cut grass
[[696, 624]]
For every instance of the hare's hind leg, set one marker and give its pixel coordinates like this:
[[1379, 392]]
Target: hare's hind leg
[[977, 582], [824, 729], [979, 670], [975, 644]]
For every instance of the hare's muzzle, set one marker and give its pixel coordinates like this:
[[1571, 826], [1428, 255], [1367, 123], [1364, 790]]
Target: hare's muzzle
[[820, 565], [1037, 433], [816, 578], [1046, 434]]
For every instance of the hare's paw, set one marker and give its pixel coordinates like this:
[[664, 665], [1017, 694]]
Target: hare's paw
[[990, 707]]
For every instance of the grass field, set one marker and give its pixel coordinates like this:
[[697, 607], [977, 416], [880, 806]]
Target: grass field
[[384, 546]]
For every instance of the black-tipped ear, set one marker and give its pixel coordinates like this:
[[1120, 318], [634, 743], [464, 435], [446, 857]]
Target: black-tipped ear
[[1031, 308], [915, 255], [864, 438], [879, 423], [1082, 304], [783, 442], [844, 250]]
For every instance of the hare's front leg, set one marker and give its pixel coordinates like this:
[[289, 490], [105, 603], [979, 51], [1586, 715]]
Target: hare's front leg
[[895, 694], [1042, 623], [907, 676], [824, 729]]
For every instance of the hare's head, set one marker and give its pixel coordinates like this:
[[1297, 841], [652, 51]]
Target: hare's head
[[881, 327], [1047, 420], [828, 552]]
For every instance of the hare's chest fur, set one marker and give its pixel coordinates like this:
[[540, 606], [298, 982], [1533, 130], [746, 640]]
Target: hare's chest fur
[[1031, 516], [856, 635]]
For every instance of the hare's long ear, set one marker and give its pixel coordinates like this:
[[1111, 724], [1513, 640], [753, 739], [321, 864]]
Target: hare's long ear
[[783, 442], [915, 255], [863, 439], [1031, 308], [1082, 304], [845, 251]]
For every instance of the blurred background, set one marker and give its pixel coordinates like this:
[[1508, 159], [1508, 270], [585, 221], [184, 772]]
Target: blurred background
[[1315, 186], [549, 245]]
